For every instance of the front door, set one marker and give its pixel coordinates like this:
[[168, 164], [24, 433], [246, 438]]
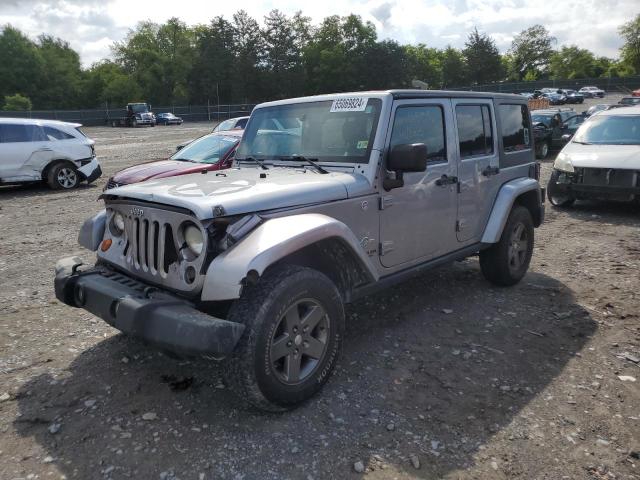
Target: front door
[[417, 220], [478, 153]]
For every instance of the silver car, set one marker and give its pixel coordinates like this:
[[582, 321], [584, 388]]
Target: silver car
[[331, 198], [46, 150], [602, 160]]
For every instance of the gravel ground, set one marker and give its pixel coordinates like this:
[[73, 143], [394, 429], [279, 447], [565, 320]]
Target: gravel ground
[[444, 376]]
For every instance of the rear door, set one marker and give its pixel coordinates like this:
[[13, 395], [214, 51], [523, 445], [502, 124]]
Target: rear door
[[478, 168], [22, 149]]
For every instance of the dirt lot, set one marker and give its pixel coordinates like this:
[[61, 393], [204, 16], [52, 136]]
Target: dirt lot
[[444, 376]]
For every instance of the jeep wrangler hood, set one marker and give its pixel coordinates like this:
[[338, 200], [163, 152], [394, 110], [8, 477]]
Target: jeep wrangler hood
[[242, 190]]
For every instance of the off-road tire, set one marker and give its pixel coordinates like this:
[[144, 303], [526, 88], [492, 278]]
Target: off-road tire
[[56, 171], [496, 262], [250, 372], [554, 197]]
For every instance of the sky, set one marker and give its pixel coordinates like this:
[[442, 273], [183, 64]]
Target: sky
[[91, 26]]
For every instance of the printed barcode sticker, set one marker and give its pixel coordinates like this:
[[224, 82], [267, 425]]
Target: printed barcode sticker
[[349, 104]]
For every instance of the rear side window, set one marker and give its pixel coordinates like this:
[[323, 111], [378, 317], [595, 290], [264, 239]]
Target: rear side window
[[474, 130], [16, 133], [514, 120], [421, 124], [55, 134]]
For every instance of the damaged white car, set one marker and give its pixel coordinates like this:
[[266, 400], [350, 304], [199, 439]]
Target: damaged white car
[[602, 160], [46, 150]]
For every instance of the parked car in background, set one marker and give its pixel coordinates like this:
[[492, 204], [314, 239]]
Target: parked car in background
[[636, 93], [232, 123], [601, 161], [572, 96], [553, 96], [592, 92], [597, 108], [214, 151], [629, 101], [168, 119], [553, 127], [57, 153]]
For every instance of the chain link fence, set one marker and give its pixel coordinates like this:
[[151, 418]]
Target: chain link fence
[[608, 84], [97, 117]]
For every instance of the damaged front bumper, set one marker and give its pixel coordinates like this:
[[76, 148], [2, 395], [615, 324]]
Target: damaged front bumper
[[599, 183], [145, 312]]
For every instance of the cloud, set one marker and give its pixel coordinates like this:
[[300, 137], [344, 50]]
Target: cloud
[[91, 26]]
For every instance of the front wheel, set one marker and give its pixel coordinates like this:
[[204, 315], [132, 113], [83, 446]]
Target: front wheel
[[558, 196], [506, 262], [543, 150], [294, 323]]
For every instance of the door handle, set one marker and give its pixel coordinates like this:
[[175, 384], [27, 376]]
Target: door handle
[[445, 180], [487, 172]]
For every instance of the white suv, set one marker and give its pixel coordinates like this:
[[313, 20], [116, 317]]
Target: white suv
[[36, 150]]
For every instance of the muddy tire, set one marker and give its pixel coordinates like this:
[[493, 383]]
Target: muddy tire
[[506, 262], [558, 198], [63, 176], [294, 320], [543, 151]]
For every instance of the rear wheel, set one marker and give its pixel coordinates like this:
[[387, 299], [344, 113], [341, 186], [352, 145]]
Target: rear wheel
[[543, 150], [506, 262], [294, 322], [63, 176]]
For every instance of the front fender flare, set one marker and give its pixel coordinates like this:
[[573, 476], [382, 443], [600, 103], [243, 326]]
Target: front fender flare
[[507, 196], [270, 242]]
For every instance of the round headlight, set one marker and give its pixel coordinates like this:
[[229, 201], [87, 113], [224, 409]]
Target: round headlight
[[118, 223], [194, 239]]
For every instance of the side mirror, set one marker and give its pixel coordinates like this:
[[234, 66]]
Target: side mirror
[[411, 157], [566, 137], [179, 147]]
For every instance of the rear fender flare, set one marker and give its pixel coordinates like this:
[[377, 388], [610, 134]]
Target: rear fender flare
[[270, 242], [507, 196]]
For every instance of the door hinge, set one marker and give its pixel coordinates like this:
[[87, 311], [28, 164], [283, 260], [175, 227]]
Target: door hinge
[[385, 202], [386, 247]]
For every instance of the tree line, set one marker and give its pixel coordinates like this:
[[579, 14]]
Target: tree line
[[238, 60]]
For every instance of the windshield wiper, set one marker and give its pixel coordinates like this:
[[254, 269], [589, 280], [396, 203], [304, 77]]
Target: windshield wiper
[[252, 159], [300, 158]]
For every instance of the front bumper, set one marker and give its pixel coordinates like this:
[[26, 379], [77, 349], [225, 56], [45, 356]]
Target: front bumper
[[584, 184], [145, 312]]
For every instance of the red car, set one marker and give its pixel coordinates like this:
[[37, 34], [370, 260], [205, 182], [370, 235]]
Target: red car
[[636, 93], [214, 151]]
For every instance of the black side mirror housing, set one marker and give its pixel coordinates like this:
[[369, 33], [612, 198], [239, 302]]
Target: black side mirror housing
[[410, 157], [566, 137]]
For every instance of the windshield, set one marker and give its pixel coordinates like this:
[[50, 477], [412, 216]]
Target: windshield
[[340, 130], [209, 149], [610, 130], [544, 119], [139, 108]]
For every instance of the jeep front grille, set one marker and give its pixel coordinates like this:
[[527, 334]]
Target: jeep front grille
[[152, 247]]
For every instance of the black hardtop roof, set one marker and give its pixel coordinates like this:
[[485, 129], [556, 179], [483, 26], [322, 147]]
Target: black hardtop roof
[[408, 94]]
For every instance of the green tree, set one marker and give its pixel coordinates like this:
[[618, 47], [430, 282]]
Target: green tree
[[423, 63], [248, 48], [16, 103], [454, 68], [531, 50], [630, 51], [572, 62], [21, 64], [61, 73], [482, 57]]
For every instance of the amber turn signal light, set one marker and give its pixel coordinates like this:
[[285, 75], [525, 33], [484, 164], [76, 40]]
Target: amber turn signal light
[[106, 244]]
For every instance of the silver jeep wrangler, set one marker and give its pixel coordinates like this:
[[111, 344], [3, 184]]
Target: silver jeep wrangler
[[331, 198]]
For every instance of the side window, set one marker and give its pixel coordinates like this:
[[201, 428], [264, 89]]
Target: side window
[[421, 124], [55, 134], [474, 130], [515, 129], [15, 133]]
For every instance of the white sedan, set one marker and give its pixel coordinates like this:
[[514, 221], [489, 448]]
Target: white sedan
[[46, 150]]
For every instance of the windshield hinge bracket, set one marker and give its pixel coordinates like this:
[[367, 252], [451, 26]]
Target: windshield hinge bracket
[[385, 202]]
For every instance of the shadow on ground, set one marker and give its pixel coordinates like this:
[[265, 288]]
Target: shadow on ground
[[413, 380]]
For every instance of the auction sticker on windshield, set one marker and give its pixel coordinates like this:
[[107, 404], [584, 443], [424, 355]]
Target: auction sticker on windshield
[[349, 104]]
